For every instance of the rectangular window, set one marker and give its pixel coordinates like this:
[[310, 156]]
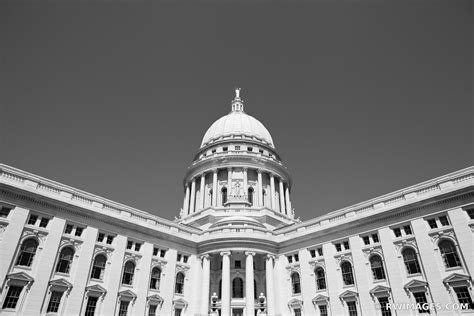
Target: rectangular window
[[297, 311], [346, 245], [432, 223], [352, 308], [260, 151], [338, 247], [320, 251], [237, 147], [249, 148], [464, 297], [68, 229], [177, 312], [123, 309], [297, 257], [155, 251], [375, 238], [152, 310], [178, 257], [79, 231], [444, 220], [137, 246], [110, 239], [224, 148], [44, 222], [100, 237], [323, 310], [12, 296], [4, 211], [366, 240], [312, 252], [397, 232], [422, 303], [185, 259], [290, 259], [54, 302], [237, 264], [129, 244], [91, 305], [32, 220], [162, 253], [383, 302], [213, 151], [407, 230]]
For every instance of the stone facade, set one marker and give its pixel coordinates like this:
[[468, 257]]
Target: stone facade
[[236, 248]]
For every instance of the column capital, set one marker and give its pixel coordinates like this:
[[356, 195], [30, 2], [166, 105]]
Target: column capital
[[203, 174], [272, 176], [250, 253], [229, 168], [259, 171], [204, 257], [225, 253], [270, 257], [214, 170], [193, 179], [245, 168]]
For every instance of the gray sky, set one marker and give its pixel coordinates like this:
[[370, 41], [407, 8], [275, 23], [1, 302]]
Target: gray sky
[[113, 97]]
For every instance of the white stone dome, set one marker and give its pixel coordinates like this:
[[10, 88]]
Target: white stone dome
[[237, 123]]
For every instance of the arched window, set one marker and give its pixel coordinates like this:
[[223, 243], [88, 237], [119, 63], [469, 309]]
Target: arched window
[[98, 267], [224, 195], [27, 252], [377, 268], [320, 278], [295, 283], [264, 193], [210, 196], [155, 278], [179, 288], [237, 288], [250, 195], [347, 277], [65, 260], [411, 261], [128, 272], [449, 253]]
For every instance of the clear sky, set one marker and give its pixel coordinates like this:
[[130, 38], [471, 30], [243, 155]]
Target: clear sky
[[113, 97]]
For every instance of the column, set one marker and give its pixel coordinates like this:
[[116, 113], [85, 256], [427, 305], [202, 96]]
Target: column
[[245, 181], [225, 303], [272, 192], [193, 196], [289, 211], [249, 286], [206, 274], [202, 190], [269, 279], [186, 200], [214, 188], [229, 180], [282, 197], [259, 188]]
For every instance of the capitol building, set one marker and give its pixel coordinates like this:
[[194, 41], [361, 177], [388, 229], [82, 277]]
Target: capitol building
[[236, 247]]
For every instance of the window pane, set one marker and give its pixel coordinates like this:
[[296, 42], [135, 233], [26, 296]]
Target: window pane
[[464, 297], [352, 308], [91, 305], [54, 302], [12, 296]]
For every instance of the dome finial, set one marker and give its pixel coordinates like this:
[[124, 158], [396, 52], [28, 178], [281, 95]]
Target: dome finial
[[237, 103]]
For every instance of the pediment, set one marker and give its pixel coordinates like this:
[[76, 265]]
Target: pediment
[[180, 302], [320, 299], [20, 276], [155, 298], [96, 288], [379, 289], [295, 302], [127, 294], [457, 277], [60, 283], [415, 284], [348, 294]]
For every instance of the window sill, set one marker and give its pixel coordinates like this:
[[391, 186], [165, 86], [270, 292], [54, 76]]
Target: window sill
[[62, 274], [454, 268], [28, 268], [414, 275], [97, 280]]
